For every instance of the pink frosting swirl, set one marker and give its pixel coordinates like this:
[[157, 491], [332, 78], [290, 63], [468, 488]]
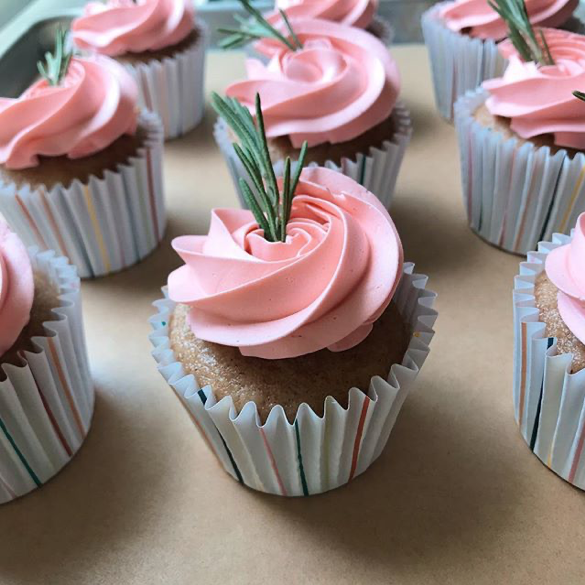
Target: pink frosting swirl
[[341, 84], [122, 26], [565, 267], [16, 287], [94, 105], [358, 13], [323, 288], [482, 21], [539, 100]]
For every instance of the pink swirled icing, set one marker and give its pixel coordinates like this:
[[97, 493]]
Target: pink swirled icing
[[94, 105], [482, 21], [16, 287], [565, 267], [122, 26], [539, 100], [323, 288], [341, 84], [358, 13]]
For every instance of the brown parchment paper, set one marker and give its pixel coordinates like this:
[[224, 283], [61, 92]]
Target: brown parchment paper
[[457, 497]]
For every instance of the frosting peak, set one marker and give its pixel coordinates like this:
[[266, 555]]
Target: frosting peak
[[565, 267], [322, 288], [122, 26], [539, 100], [94, 106], [16, 287], [341, 84], [477, 17], [358, 13]]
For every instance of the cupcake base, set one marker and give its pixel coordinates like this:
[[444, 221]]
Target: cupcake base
[[46, 391], [515, 193], [104, 222], [372, 160], [549, 392], [312, 454]]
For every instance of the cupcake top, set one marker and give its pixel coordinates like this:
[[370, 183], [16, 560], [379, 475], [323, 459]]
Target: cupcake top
[[127, 26], [359, 13], [88, 110], [342, 83], [539, 99], [323, 287], [16, 287], [478, 19], [565, 267]]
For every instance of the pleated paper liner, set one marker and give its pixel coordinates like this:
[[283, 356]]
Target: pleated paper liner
[[313, 454], [459, 63], [174, 88], [46, 405], [377, 170], [549, 401], [104, 225], [515, 196]]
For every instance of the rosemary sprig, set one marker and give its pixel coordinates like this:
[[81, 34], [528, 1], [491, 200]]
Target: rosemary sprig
[[579, 95], [270, 206], [57, 64], [521, 33], [257, 27]]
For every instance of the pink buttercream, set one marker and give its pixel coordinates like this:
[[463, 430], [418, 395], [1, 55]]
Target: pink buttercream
[[94, 105], [323, 288], [16, 287], [359, 13], [539, 100], [341, 84], [565, 267], [121, 26], [482, 21]]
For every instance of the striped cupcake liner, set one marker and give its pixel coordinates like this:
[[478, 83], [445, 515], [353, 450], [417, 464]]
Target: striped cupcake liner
[[174, 88], [549, 401], [313, 454], [515, 196], [104, 225], [46, 404], [377, 170], [459, 63]]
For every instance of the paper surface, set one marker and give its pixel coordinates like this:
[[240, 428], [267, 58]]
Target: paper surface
[[455, 498]]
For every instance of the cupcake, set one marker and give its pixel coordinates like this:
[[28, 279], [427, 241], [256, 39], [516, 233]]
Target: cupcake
[[339, 91], [522, 139], [462, 37], [46, 392], [294, 345], [549, 353], [81, 168], [161, 45]]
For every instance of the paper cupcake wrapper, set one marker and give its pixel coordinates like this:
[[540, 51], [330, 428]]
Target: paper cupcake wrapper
[[314, 454], [46, 405], [376, 170], [104, 225], [174, 87], [459, 63], [515, 196], [549, 401]]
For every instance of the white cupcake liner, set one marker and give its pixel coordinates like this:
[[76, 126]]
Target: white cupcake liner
[[549, 401], [104, 225], [459, 63], [312, 455], [515, 196], [174, 88], [377, 171], [46, 404]]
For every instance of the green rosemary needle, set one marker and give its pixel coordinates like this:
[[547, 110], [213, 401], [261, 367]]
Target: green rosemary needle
[[271, 206], [520, 31], [579, 95], [56, 64]]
